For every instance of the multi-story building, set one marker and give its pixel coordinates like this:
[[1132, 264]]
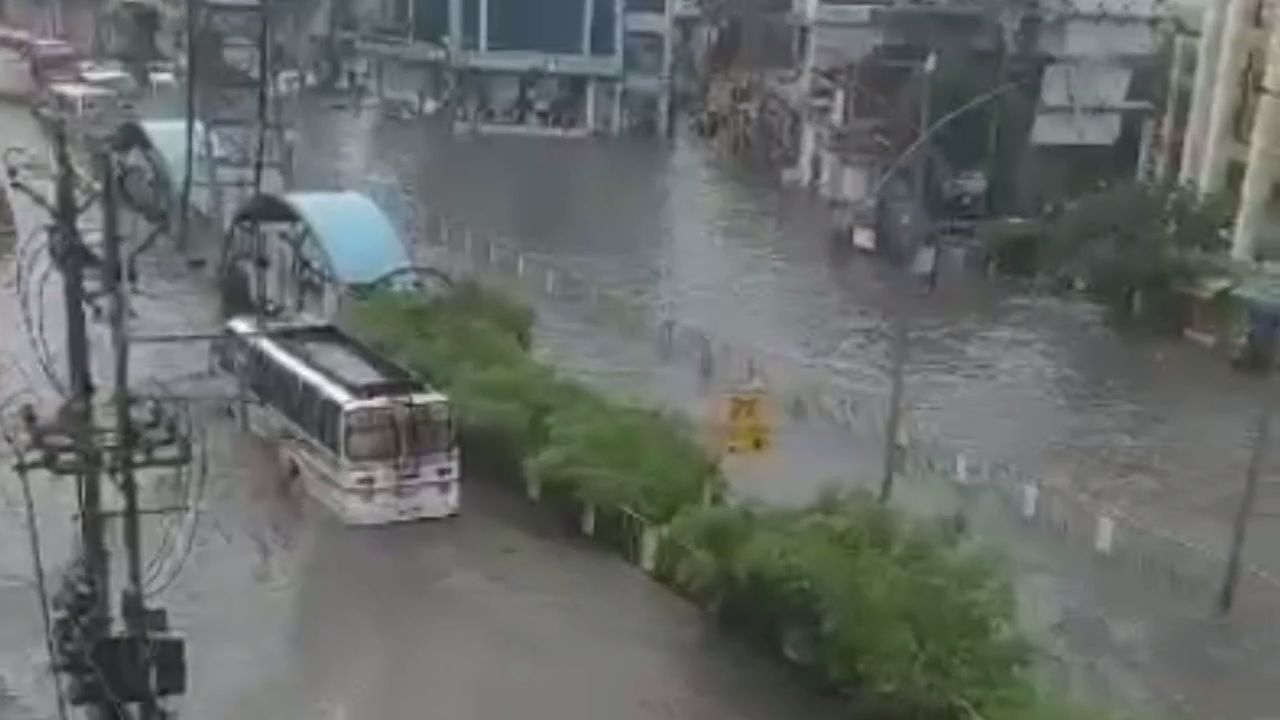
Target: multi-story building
[[571, 66], [1059, 89], [1231, 139]]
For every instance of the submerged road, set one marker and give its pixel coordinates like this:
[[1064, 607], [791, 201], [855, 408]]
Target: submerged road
[[1151, 425], [1039, 381], [499, 613]]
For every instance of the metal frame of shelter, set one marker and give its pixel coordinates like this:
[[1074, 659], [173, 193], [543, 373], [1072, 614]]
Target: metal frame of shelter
[[152, 158], [335, 239], [239, 103]]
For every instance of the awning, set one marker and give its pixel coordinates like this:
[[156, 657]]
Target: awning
[[352, 232]]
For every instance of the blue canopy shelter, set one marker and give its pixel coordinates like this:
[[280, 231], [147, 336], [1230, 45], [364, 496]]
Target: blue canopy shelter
[[304, 252], [355, 240]]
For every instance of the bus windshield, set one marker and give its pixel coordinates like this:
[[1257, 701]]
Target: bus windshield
[[371, 435], [387, 434], [431, 430]]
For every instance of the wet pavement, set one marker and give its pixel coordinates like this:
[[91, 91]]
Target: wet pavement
[[499, 613]]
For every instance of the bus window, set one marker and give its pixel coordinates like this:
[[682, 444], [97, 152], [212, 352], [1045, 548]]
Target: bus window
[[371, 435], [330, 419]]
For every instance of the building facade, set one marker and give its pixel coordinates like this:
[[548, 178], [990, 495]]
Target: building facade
[[1060, 93], [1231, 127], [564, 66]]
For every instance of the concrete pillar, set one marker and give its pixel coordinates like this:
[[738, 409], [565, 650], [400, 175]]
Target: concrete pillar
[[455, 28], [591, 104], [668, 70], [664, 110], [588, 19], [1264, 155], [619, 28], [807, 63], [617, 107], [1173, 98], [808, 146], [1226, 95], [1207, 52], [483, 41]]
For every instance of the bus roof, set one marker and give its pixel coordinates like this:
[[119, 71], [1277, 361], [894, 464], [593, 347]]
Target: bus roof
[[50, 48], [91, 72], [79, 90], [352, 370]]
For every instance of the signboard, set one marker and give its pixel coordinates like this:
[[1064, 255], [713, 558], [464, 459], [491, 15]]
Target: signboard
[[744, 422]]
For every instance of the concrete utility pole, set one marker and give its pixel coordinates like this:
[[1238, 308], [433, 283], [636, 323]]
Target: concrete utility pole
[[1239, 531], [184, 217], [901, 333], [132, 598], [922, 158], [70, 253], [107, 671]]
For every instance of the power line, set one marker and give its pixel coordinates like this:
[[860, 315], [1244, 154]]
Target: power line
[[107, 670], [37, 564]]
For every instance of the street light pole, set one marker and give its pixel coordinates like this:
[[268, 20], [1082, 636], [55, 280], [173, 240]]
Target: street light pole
[[901, 333], [922, 159], [1239, 531], [895, 401]]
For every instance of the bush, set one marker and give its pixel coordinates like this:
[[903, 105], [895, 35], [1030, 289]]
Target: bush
[[1136, 240], [886, 611], [626, 457]]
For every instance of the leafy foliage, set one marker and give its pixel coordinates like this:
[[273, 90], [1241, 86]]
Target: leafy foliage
[[1135, 238], [887, 611]]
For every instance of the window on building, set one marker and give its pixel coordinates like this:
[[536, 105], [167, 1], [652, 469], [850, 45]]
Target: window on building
[[1235, 177], [642, 53], [647, 6], [603, 22]]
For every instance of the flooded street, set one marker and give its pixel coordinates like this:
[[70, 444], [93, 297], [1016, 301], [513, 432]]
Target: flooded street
[[1152, 425], [498, 613], [502, 612]]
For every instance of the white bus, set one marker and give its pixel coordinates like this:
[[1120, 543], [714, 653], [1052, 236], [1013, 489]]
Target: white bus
[[366, 438]]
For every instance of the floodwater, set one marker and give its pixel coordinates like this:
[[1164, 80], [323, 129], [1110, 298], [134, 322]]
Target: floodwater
[[501, 612], [1151, 425]]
